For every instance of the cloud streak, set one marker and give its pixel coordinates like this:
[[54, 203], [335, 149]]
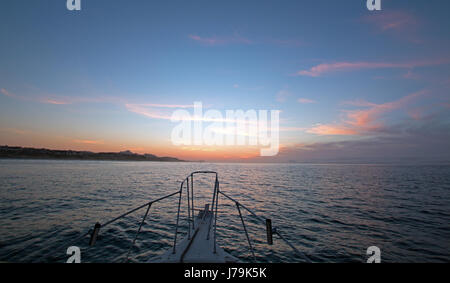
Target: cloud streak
[[321, 69], [393, 20], [215, 40], [421, 142], [402, 24], [55, 102], [364, 121], [7, 93], [98, 142], [59, 100], [149, 111]]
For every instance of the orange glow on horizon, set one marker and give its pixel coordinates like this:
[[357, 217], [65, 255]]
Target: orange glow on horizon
[[14, 137]]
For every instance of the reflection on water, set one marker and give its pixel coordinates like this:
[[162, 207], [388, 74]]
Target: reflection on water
[[331, 213]]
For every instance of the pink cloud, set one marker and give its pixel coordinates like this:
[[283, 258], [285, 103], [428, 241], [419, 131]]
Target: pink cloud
[[89, 141], [392, 20], [321, 69], [333, 130], [400, 23], [416, 114], [55, 102], [7, 93], [411, 75], [361, 121]]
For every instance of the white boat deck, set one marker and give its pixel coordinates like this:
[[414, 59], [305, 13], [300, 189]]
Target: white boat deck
[[198, 249]]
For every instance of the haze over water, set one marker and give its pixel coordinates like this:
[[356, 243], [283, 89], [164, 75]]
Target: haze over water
[[331, 213]]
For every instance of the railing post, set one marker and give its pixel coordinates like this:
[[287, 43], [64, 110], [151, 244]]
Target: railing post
[[245, 230], [189, 208], [138, 231], [214, 193], [192, 198], [212, 206], [269, 231], [178, 218], [215, 219], [95, 234]]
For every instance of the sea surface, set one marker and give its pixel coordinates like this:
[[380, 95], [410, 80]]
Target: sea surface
[[331, 213]]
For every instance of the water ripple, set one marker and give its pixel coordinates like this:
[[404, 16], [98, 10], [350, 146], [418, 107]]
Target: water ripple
[[332, 213]]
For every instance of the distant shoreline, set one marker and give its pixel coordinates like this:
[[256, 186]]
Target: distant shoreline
[[16, 152]]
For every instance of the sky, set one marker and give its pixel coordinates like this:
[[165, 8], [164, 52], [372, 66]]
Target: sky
[[351, 85]]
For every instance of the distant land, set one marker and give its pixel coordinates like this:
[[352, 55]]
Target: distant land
[[42, 153]]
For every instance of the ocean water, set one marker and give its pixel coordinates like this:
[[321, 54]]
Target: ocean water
[[331, 213]]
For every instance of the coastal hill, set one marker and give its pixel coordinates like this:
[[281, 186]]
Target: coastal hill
[[42, 153]]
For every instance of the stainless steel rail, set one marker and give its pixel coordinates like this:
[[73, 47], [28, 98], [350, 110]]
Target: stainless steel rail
[[214, 207], [96, 230], [188, 183], [263, 221]]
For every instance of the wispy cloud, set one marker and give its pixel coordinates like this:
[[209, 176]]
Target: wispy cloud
[[416, 114], [165, 105], [7, 93], [332, 130], [165, 112], [400, 23], [14, 131], [393, 20], [152, 111], [324, 68], [238, 39], [423, 142], [411, 75], [287, 42], [292, 129], [55, 102], [220, 40], [58, 99], [99, 142], [363, 121]]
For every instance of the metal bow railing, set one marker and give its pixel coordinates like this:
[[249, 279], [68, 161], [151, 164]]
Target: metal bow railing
[[214, 206], [188, 183]]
